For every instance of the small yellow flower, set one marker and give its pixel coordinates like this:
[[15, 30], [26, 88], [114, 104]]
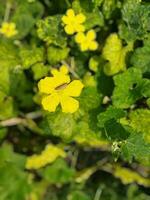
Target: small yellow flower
[[59, 90], [8, 29], [87, 41], [47, 156], [73, 23]]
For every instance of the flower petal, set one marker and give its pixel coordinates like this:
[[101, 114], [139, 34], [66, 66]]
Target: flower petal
[[64, 69], [70, 13], [93, 45], [73, 89], [54, 71], [69, 29], [50, 102], [79, 28], [80, 37], [65, 19], [69, 105], [84, 46], [91, 35], [46, 85], [80, 18]]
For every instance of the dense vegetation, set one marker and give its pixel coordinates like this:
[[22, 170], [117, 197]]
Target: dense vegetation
[[84, 132]]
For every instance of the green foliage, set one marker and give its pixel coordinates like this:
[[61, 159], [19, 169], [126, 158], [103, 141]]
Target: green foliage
[[115, 53], [56, 54], [135, 147], [105, 144], [139, 120], [133, 88], [31, 57], [58, 172], [136, 17], [140, 57], [50, 31], [26, 15]]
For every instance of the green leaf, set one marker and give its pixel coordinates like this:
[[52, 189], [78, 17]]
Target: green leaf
[[31, 57], [109, 114], [136, 147], [58, 172], [51, 31], [56, 54], [78, 195], [3, 132], [109, 8], [139, 120], [129, 87], [141, 59], [7, 109], [136, 16], [60, 124], [115, 54], [8, 156], [90, 98], [40, 70], [25, 17], [93, 19], [14, 183]]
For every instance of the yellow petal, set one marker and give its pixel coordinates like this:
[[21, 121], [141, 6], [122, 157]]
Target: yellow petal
[[50, 102], [64, 69], [54, 72], [69, 29], [91, 35], [65, 20], [73, 89], [60, 77], [46, 85], [80, 18], [79, 28], [93, 45], [84, 46], [70, 13], [69, 105], [80, 37]]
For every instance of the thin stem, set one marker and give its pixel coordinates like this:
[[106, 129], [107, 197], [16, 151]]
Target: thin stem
[[98, 193], [71, 70], [68, 3], [7, 11], [18, 120]]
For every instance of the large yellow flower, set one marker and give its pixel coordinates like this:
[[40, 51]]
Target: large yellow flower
[[87, 41], [8, 29], [73, 23], [59, 90]]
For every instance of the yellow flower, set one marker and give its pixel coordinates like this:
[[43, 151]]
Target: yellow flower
[[87, 41], [47, 156], [59, 90], [73, 23], [8, 29]]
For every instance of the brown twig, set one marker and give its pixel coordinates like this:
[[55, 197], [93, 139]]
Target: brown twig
[[18, 120]]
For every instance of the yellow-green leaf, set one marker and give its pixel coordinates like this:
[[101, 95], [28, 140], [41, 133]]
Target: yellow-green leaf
[[115, 53]]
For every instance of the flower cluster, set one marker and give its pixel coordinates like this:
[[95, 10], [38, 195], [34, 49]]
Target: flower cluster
[[74, 24], [87, 41], [48, 155], [8, 29], [59, 89]]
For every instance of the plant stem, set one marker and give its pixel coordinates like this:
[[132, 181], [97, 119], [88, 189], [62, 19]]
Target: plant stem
[[7, 11], [18, 120], [68, 3]]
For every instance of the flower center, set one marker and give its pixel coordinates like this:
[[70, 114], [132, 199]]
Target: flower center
[[61, 87]]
